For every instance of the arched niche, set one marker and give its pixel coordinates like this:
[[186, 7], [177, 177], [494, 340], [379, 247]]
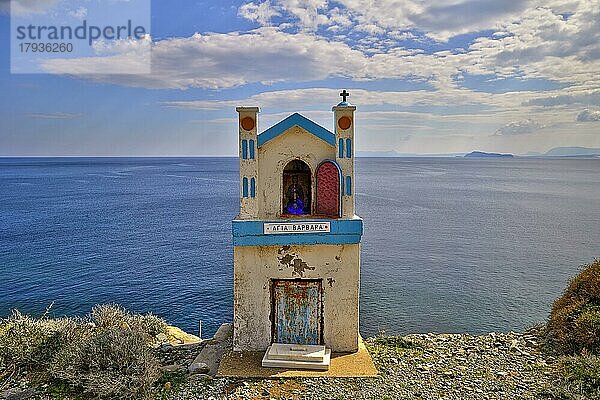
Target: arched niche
[[328, 189], [296, 196]]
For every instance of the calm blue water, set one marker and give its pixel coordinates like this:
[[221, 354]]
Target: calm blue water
[[450, 245]]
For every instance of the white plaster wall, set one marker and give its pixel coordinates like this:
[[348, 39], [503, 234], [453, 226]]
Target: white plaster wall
[[255, 266], [295, 143]]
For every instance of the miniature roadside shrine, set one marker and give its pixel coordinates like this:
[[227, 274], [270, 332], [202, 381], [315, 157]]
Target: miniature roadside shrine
[[297, 240]]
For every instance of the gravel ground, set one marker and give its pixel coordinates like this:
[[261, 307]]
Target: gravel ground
[[431, 366]]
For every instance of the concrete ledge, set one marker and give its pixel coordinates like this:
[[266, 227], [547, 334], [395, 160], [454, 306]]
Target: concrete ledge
[[213, 351], [247, 364]]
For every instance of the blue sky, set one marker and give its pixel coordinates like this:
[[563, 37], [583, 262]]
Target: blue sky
[[427, 77]]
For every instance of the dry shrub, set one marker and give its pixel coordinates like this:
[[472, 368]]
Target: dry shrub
[[111, 361], [109, 357], [105, 356], [574, 323], [114, 315], [31, 343]]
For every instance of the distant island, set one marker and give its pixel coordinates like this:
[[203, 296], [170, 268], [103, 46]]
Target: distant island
[[483, 154], [572, 151]]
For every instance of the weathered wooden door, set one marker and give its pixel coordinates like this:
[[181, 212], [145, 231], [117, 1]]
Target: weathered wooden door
[[297, 311]]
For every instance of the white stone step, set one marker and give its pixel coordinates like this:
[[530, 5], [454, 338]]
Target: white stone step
[[322, 365], [297, 352]]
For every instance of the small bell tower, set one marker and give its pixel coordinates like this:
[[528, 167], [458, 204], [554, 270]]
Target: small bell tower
[[248, 154], [343, 119]]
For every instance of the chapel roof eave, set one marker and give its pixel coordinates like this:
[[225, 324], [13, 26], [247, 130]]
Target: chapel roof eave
[[296, 120]]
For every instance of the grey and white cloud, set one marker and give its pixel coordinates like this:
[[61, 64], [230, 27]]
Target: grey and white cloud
[[259, 12], [79, 13], [116, 61], [588, 116], [216, 61], [552, 41], [440, 20], [24, 7], [306, 14], [540, 43], [589, 98], [519, 128], [53, 115]]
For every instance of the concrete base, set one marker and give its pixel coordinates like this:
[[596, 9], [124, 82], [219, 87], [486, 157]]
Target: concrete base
[[248, 364], [297, 357]]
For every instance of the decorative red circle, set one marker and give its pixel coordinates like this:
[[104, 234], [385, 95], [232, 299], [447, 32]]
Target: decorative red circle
[[247, 123], [344, 123]]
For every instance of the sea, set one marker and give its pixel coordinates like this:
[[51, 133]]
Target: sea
[[450, 244]]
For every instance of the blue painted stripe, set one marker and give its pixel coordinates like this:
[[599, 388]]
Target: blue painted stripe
[[273, 240], [252, 149], [302, 122], [348, 148], [250, 233], [244, 149]]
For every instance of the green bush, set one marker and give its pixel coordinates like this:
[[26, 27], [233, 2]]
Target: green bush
[[574, 323], [105, 355], [577, 378], [397, 342]]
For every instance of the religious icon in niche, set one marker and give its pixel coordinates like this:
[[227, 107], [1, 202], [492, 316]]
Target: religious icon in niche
[[296, 188], [295, 196]]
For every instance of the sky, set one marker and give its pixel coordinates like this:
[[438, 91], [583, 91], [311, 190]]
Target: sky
[[427, 76]]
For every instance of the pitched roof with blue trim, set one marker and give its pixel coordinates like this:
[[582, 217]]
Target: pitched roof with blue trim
[[296, 120]]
